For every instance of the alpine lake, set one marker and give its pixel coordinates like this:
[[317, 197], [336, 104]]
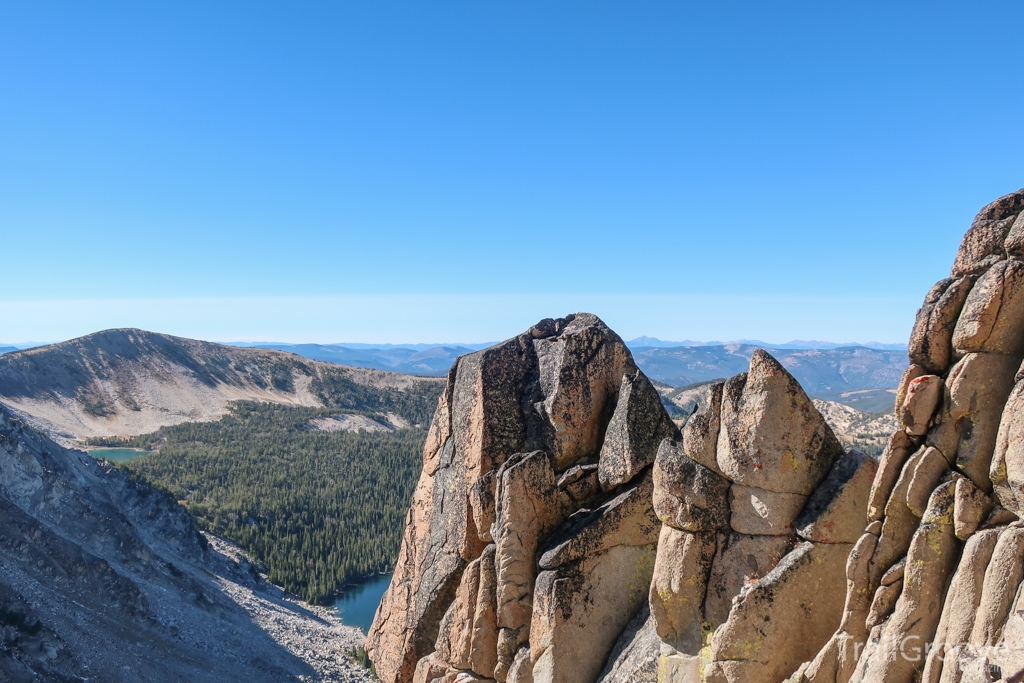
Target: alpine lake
[[358, 603], [117, 454]]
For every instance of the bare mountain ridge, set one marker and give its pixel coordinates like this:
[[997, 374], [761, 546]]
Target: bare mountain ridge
[[129, 381]]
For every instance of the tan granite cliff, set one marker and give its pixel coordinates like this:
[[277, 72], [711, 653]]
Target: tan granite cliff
[[531, 534], [559, 504]]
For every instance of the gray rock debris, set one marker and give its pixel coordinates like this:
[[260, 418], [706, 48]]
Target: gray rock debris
[[101, 575]]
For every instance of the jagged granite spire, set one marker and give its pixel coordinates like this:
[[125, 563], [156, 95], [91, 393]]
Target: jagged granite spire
[[528, 559]]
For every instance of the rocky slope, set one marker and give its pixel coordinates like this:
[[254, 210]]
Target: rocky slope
[[563, 530], [104, 578], [127, 382], [868, 432]]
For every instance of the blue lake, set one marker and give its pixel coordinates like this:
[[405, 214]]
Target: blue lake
[[356, 605], [117, 454]]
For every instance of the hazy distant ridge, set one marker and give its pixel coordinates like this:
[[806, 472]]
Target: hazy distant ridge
[[854, 374], [654, 342], [822, 372], [434, 359], [416, 359]]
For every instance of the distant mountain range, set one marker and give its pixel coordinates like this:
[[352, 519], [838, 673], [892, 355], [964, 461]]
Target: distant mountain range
[[654, 342], [655, 356], [857, 375], [413, 359], [391, 356], [834, 374], [131, 381]]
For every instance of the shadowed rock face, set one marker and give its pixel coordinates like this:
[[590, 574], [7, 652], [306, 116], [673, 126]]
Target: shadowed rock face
[[636, 430]]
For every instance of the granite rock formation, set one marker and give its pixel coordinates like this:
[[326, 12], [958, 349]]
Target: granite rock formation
[[531, 538], [760, 508], [565, 530], [933, 583]]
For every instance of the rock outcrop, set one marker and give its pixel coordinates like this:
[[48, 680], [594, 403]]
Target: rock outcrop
[[540, 456], [755, 589], [558, 502], [933, 585]]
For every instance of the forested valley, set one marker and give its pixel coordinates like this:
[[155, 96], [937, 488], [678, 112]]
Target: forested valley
[[320, 509]]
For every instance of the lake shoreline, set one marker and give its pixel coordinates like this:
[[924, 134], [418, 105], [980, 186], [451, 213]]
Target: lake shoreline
[[118, 454], [357, 604]]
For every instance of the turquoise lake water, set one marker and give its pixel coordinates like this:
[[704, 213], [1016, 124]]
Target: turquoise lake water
[[357, 604], [117, 454]]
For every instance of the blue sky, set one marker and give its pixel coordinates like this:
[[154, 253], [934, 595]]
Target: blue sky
[[407, 172]]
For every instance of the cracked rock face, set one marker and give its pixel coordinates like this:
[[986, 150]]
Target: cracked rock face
[[548, 440], [756, 590], [634, 433], [772, 437]]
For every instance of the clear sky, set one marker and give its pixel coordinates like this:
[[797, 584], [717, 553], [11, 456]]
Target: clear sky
[[446, 171]]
